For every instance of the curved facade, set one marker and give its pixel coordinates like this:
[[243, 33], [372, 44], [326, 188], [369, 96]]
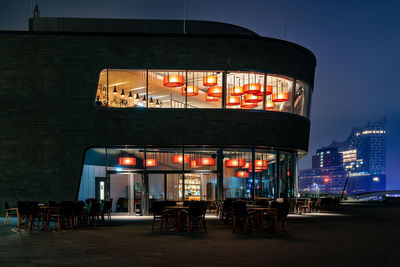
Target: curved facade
[[52, 91]]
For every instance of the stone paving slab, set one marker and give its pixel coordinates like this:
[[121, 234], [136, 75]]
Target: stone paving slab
[[364, 235]]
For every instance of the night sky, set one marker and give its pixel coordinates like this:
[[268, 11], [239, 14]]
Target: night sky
[[356, 43]]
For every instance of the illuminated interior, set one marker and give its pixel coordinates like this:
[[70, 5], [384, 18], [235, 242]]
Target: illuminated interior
[[125, 88]]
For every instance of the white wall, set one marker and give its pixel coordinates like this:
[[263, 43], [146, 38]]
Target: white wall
[[87, 187], [118, 188]]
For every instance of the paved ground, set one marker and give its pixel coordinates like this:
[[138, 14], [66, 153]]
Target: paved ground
[[358, 235]]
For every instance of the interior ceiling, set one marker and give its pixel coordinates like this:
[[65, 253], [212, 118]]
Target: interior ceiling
[[135, 81]]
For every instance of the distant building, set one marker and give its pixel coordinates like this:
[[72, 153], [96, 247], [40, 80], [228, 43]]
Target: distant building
[[362, 155], [326, 157], [322, 180]]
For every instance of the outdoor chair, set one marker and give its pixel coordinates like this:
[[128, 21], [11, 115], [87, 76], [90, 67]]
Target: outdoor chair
[[227, 212], [64, 212], [282, 213], [10, 212], [78, 213], [196, 215], [23, 213], [241, 215], [161, 214]]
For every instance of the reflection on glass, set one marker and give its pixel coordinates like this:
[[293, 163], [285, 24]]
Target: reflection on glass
[[201, 89]]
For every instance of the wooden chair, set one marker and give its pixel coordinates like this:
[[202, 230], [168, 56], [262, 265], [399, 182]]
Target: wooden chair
[[10, 212], [23, 214], [196, 215], [161, 214], [241, 215]]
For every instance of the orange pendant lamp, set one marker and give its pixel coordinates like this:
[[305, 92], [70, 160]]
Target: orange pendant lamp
[[280, 97], [242, 174], [179, 159], [253, 99], [215, 91], [192, 90], [205, 162], [210, 80], [246, 165], [127, 161], [235, 163], [211, 98], [252, 88], [269, 105], [256, 169], [245, 105], [237, 90], [268, 92], [261, 164], [174, 80], [233, 101], [150, 163], [193, 164]]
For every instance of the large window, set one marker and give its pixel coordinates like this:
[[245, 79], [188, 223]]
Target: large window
[[124, 88]]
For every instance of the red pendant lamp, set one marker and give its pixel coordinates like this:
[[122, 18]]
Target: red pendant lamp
[[280, 97], [253, 99], [205, 162], [268, 92], [261, 164], [174, 80], [246, 165], [179, 159], [215, 91], [150, 163], [269, 105], [211, 98], [242, 174], [193, 164], [237, 90], [192, 90], [210, 80], [235, 163], [245, 105], [252, 88], [127, 161], [233, 101], [256, 169]]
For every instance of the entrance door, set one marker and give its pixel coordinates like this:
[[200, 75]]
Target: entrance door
[[102, 188]]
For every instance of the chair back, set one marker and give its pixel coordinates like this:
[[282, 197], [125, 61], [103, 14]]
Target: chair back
[[239, 209], [23, 208], [157, 207], [282, 209], [6, 206], [196, 208], [66, 208]]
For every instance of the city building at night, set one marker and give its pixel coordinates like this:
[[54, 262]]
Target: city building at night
[[134, 110], [362, 155]]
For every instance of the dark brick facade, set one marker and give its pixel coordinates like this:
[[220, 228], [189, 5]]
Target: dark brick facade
[[48, 119]]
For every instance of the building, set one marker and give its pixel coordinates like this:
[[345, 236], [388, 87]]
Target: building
[[362, 155], [150, 109], [326, 157]]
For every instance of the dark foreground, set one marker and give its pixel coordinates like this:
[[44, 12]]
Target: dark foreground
[[358, 235]]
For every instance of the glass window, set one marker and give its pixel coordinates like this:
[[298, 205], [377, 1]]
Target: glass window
[[302, 99], [281, 97], [265, 169], [237, 175], [121, 88], [244, 90]]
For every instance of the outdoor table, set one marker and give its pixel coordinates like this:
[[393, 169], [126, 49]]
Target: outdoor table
[[177, 215], [260, 211], [45, 210], [252, 206]]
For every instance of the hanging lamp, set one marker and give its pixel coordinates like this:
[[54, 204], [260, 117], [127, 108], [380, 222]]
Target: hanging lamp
[[179, 159], [193, 164], [122, 93], [150, 163], [192, 90], [158, 103], [261, 164], [130, 95], [233, 101], [127, 161], [252, 88], [268, 92], [280, 96], [210, 80], [205, 162], [211, 98], [253, 99], [242, 174], [115, 90], [215, 91], [235, 163], [174, 80]]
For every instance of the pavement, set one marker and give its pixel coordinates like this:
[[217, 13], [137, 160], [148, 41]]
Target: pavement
[[356, 235]]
